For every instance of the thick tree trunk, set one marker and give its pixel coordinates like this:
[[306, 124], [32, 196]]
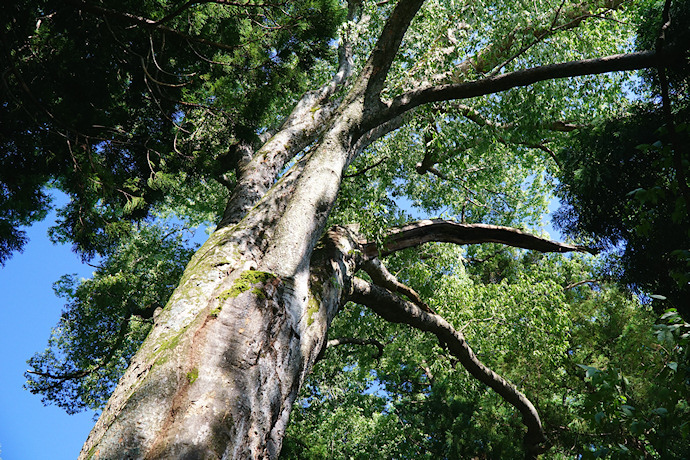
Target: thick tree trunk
[[225, 360], [221, 368]]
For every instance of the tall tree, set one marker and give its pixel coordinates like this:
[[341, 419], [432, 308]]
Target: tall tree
[[195, 93]]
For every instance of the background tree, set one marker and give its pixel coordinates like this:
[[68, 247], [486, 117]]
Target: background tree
[[195, 107], [624, 182]]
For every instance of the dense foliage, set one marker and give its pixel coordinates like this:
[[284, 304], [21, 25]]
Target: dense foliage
[[608, 381], [624, 180], [111, 101]]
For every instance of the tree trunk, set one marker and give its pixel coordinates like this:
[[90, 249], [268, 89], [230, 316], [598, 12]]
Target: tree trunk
[[225, 360]]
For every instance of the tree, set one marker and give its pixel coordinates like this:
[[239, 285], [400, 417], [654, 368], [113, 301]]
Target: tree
[[624, 182], [225, 358]]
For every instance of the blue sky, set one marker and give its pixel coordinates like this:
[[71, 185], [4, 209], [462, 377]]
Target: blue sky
[[28, 311]]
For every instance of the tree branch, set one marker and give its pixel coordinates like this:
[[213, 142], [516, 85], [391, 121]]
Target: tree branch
[[381, 276], [580, 283], [678, 153], [190, 3], [356, 341], [445, 231], [394, 309], [301, 127], [376, 69], [59, 379], [506, 81], [364, 170], [500, 52]]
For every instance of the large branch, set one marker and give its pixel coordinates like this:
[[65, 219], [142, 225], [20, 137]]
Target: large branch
[[376, 69], [445, 231], [396, 310], [503, 82]]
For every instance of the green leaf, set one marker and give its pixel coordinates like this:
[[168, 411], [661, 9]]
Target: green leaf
[[637, 427], [627, 410], [660, 411], [590, 371]]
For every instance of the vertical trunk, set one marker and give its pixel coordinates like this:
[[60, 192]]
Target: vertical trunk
[[225, 360]]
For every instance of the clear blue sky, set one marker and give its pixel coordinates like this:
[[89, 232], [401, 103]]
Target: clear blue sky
[[28, 311]]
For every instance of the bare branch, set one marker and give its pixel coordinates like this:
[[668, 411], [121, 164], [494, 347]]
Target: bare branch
[[445, 231], [394, 309]]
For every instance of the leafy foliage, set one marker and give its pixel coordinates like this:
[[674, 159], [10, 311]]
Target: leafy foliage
[[106, 318], [620, 187], [608, 381], [106, 100]]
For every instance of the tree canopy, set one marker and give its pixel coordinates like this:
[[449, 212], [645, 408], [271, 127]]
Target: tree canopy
[[110, 102], [158, 116]]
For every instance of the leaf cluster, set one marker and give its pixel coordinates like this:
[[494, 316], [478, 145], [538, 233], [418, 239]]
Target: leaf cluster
[[619, 186]]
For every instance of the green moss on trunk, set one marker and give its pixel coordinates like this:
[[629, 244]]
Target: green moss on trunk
[[192, 375], [312, 308], [245, 282]]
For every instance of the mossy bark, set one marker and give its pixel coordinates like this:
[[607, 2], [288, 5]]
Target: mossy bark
[[220, 369]]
